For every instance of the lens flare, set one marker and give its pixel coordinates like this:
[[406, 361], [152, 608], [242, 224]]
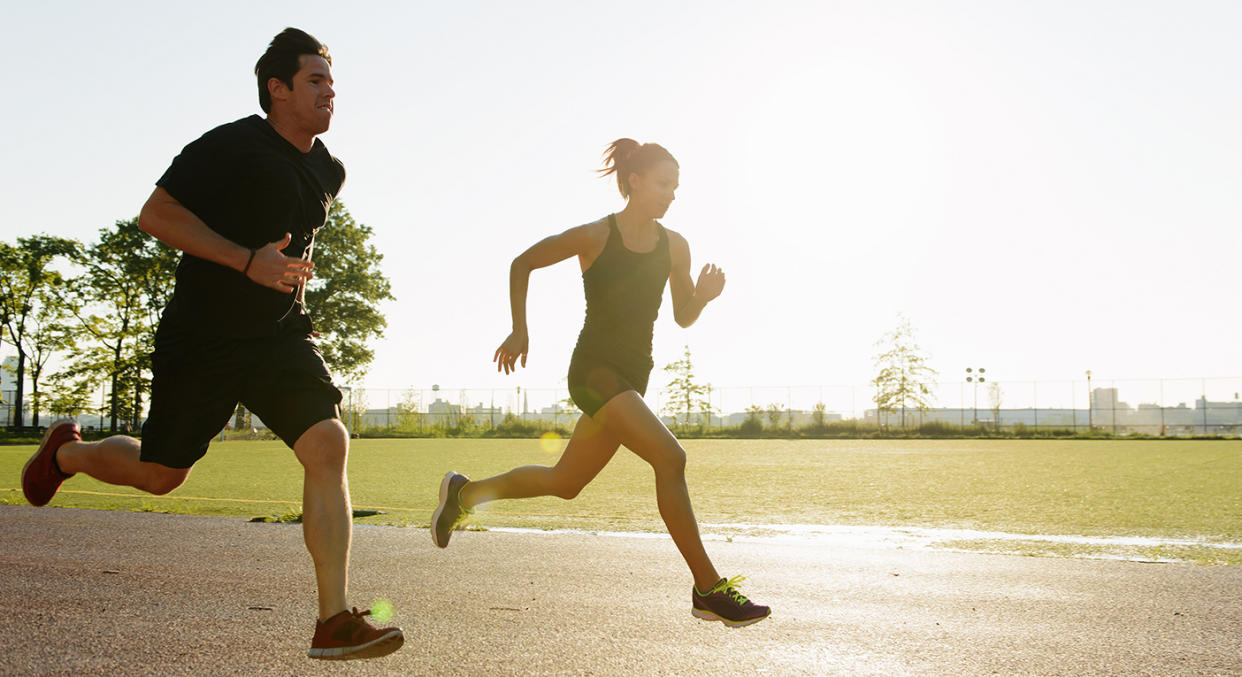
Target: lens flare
[[381, 610], [550, 443]]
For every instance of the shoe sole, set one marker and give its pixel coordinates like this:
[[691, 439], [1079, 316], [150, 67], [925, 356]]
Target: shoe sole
[[383, 646], [47, 435], [435, 516], [709, 616]]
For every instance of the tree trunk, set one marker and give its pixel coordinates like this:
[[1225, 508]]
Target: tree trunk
[[116, 371], [18, 393], [34, 399], [137, 406], [112, 402]]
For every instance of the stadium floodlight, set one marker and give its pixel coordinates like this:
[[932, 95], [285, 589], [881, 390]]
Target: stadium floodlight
[[975, 380]]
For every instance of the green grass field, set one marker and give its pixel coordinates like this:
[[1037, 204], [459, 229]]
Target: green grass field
[[1157, 489]]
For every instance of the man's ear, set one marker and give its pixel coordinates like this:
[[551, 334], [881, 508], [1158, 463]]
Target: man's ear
[[277, 89]]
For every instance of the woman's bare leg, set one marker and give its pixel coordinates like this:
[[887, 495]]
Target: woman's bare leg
[[590, 448], [630, 421]]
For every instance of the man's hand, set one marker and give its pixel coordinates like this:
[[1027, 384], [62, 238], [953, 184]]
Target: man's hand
[[271, 268]]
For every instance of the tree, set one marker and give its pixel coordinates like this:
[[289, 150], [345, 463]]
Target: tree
[[903, 379], [343, 299], [753, 424], [129, 277], [819, 416], [685, 396], [49, 334], [71, 397], [774, 415], [25, 280], [994, 399], [408, 416]]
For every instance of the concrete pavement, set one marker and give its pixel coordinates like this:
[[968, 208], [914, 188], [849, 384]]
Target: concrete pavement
[[117, 593]]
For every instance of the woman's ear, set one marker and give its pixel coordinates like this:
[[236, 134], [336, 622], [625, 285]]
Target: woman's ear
[[633, 180]]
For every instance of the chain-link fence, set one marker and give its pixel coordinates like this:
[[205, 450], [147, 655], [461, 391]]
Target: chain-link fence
[[1182, 406], [1166, 406]]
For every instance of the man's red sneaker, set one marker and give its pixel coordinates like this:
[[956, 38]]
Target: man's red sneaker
[[42, 477], [346, 636]]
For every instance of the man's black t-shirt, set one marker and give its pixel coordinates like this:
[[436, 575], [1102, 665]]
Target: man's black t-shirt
[[247, 183]]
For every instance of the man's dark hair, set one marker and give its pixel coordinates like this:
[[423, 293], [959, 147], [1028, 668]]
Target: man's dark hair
[[282, 60]]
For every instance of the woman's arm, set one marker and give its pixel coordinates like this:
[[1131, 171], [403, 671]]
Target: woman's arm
[[581, 241], [689, 298]]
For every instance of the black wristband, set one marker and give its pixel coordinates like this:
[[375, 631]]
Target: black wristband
[[248, 262]]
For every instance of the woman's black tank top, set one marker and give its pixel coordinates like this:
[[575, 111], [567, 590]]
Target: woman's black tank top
[[623, 294]]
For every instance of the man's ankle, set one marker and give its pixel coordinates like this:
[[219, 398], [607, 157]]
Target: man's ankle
[[56, 459]]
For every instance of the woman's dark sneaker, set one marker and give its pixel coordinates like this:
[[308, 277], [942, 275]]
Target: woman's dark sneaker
[[347, 636], [450, 512], [725, 604], [41, 477]]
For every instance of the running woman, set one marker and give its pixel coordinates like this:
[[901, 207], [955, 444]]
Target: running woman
[[243, 203], [625, 260]]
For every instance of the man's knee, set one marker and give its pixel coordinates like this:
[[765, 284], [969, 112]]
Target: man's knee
[[161, 479], [324, 446]]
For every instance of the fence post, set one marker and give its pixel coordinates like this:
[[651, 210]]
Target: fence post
[[1074, 405], [1161, 408], [1203, 389]]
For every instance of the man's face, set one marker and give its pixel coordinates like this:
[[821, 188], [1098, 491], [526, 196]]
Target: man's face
[[309, 103]]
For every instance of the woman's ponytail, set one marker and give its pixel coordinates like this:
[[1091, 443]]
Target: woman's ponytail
[[617, 161]]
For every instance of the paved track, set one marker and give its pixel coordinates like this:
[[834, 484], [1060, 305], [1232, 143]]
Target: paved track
[[116, 593]]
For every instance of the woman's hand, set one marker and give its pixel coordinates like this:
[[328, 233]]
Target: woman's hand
[[711, 283], [508, 353]]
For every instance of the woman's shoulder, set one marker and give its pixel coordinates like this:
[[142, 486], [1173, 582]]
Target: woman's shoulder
[[675, 239], [595, 231]]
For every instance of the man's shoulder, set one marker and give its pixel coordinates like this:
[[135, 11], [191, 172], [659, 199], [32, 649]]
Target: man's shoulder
[[230, 135], [245, 128], [327, 162]]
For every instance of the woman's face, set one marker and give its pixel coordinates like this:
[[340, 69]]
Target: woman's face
[[653, 191]]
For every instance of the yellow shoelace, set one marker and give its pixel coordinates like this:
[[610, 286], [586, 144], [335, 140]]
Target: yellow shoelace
[[729, 587]]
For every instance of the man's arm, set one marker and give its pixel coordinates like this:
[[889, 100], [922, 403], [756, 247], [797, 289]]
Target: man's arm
[[167, 220]]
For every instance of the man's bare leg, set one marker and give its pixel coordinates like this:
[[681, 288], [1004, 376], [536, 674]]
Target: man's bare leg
[[327, 525], [115, 460]]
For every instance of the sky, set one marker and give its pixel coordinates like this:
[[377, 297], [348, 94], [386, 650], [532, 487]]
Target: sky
[[1040, 188]]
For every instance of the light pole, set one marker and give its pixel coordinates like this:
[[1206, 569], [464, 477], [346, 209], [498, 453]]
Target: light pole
[[349, 393], [976, 380], [1090, 404]]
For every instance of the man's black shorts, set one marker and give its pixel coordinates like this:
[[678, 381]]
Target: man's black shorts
[[197, 382]]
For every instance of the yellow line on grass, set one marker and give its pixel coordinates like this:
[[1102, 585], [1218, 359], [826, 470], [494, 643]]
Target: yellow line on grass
[[172, 497]]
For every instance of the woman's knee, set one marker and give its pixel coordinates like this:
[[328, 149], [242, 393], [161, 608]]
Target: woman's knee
[[564, 485], [567, 489], [670, 458]]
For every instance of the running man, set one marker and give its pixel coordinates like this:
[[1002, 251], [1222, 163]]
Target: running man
[[243, 203], [625, 260]]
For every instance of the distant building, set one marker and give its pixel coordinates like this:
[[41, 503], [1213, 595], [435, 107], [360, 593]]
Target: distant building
[[1107, 412]]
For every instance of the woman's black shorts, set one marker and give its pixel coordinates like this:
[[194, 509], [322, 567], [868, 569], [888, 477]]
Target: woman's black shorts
[[594, 380]]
